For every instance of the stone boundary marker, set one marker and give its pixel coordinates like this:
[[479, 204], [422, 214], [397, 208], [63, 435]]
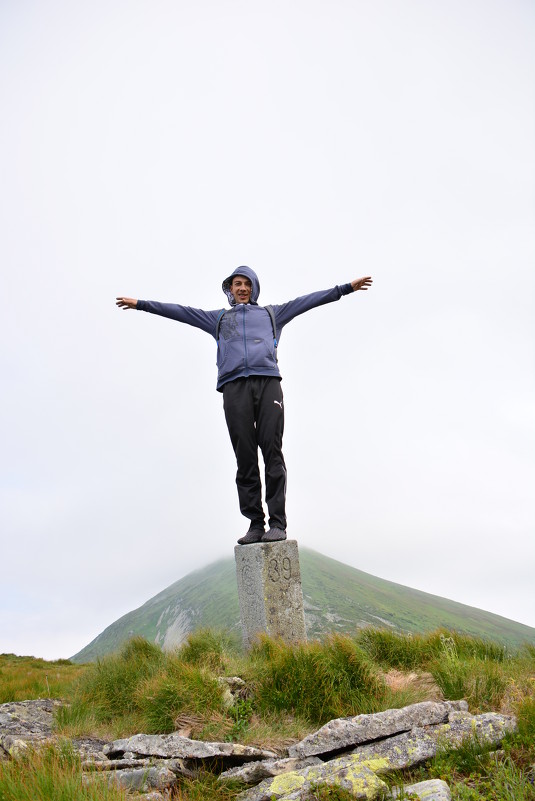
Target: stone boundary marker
[[269, 591]]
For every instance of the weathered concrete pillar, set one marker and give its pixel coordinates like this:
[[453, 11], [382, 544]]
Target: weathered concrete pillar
[[269, 591]]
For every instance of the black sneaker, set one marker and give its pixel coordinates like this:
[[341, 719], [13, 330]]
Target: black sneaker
[[253, 535], [274, 535]]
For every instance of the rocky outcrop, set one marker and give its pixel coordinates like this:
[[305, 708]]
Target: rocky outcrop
[[148, 762], [352, 753], [343, 733], [359, 779], [25, 722], [376, 745]]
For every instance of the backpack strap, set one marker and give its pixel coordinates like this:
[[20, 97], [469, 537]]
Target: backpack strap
[[271, 313], [218, 324]]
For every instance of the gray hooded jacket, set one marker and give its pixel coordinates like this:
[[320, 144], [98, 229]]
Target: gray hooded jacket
[[246, 344]]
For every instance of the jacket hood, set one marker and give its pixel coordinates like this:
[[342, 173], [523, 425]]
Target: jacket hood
[[253, 278]]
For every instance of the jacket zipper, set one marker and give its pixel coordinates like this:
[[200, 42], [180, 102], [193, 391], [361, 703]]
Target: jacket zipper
[[244, 340]]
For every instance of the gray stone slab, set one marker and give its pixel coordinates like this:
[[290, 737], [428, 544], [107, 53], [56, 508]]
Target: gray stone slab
[[254, 772], [269, 591], [174, 746], [431, 790], [138, 779], [349, 732]]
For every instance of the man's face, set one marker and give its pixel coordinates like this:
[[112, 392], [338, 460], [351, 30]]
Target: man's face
[[240, 289]]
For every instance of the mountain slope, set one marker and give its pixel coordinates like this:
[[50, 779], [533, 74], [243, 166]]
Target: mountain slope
[[337, 598]]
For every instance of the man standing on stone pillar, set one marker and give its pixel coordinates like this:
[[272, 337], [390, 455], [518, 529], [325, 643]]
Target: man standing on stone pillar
[[247, 337]]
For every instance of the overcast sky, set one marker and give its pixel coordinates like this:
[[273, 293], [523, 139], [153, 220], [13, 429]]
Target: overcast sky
[[149, 148]]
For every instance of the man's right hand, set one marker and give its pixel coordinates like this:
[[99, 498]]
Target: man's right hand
[[361, 283], [126, 303]]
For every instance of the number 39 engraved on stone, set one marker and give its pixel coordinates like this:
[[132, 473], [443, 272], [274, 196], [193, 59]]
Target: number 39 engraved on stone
[[284, 570]]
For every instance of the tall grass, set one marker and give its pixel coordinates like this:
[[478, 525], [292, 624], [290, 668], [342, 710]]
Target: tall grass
[[143, 688], [25, 677], [210, 649], [178, 689], [390, 649], [51, 774], [410, 651], [108, 687], [482, 684], [525, 714], [316, 681], [475, 673], [206, 787], [462, 667]]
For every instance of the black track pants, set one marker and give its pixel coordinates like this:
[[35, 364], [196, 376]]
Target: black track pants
[[255, 418]]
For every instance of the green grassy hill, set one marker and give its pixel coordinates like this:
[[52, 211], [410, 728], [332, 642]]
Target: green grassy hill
[[337, 598]]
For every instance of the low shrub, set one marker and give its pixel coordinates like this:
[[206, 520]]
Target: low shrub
[[525, 715], [315, 681], [207, 648], [483, 684], [178, 689], [111, 683], [106, 691], [393, 650], [206, 787], [476, 647]]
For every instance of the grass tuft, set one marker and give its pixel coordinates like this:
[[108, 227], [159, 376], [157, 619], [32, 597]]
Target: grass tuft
[[110, 685], [206, 787], [207, 648], [51, 774], [178, 689], [106, 691], [316, 681], [525, 715], [479, 679], [390, 649]]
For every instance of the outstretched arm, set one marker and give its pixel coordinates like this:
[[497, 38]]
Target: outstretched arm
[[361, 283], [205, 320], [287, 311], [126, 303]]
